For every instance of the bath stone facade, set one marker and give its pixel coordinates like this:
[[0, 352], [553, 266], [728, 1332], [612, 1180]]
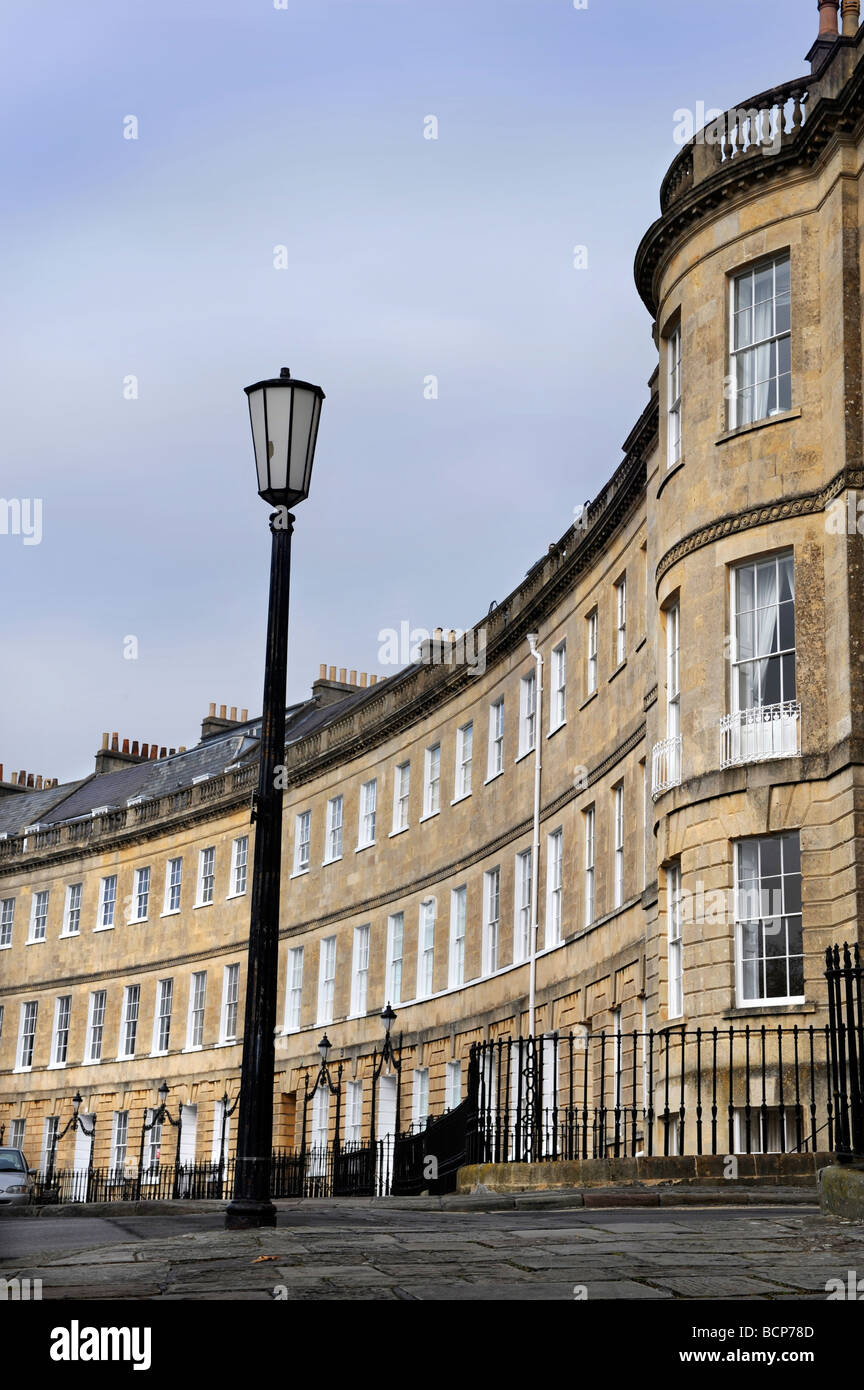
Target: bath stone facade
[[700, 725]]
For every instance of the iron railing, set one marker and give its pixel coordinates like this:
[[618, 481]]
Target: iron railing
[[674, 1091], [158, 1182], [758, 734], [665, 765], [845, 975]]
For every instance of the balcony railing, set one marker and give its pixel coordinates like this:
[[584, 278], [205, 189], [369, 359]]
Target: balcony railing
[[665, 766], [756, 735]]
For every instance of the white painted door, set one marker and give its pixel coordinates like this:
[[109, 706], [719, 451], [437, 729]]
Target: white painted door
[[81, 1162], [385, 1126]]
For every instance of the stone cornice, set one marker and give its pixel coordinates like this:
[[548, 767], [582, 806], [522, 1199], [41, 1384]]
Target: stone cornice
[[803, 504]]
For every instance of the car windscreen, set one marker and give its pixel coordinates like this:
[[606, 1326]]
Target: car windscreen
[[11, 1163]]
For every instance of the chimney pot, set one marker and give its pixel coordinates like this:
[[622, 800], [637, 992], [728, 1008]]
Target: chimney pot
[[342, 674], [114, 743], [104, 740], [161, 752], [332, 673], [135, 748], [222, 714], [212, 708], [322, 671], [1, 772], [352, 677], [171, 752], [182, 748], [154, 751], [244, 715], [22, 778], [828, 18], [234, 713], [30, 779], [39, 782], [363, 679], [851, 17], [373, 680], [125, 745]]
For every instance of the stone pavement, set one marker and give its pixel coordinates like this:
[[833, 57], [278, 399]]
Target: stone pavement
[[359, 1250]]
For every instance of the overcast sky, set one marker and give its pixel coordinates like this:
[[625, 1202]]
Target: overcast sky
[[303, 127]]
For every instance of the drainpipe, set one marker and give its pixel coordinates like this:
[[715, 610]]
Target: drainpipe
[[535, 844]]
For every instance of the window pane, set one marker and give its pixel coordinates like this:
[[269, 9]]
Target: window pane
[[791, 854]]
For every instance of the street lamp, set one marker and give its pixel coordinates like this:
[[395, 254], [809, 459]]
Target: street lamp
[[390, 1055], [284, 415], [157, 1119], [74, 1124]]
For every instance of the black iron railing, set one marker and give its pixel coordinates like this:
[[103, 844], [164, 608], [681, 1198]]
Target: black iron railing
[[845, 975], [675, 1091], [160, 1182], [353, 1169]]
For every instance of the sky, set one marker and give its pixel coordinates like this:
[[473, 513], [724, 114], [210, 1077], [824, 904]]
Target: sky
[[141, 289]]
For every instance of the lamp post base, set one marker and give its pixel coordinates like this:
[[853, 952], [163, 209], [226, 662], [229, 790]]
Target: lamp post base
[[244, 1214]]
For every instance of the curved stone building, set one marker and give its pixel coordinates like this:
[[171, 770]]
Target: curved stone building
[[691, 699]]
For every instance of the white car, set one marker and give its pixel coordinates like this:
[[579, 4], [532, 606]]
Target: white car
[[16, 1179]]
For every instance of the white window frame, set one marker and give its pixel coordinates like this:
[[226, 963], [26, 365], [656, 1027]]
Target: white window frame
[[162, 1017], [360, 970], [129, 1020], [50, 1134], [395, 957], [17, 1131], [197, 1011], [353, 1112], [72, 910], [230, 1009], [7, 923], [453, 1085], [39, 915], [141, 880], [326, 980], [458, 926], [554, 886], [294, 988], [558, 702], [420, 1097], [527, 714], [673, 403], [60, 1030], [738, 662], [464, 760], [590, 826], [95, 1036], [491, 919], [173, 885], [673, 670], [522, 890], [206, 883], [621, 620], [751, 350], [431, 781], [495, 765], [591, 651], [744, 918], [302, 841], [401, 797], [674, 943], [239, 866], [366, 825], [334, 828], [618, 844], [106, 919], [119, 1141], [426, 948]]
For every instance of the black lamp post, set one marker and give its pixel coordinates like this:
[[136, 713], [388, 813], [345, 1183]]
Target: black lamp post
[[284, 415], [74, 1124], [388, 1054], [335, 1088], [158, 1117]]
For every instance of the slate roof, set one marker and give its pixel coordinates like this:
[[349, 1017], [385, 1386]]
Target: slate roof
[[159, 776]]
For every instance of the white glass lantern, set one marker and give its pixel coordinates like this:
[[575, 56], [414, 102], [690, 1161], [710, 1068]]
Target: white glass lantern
[[284, 415]]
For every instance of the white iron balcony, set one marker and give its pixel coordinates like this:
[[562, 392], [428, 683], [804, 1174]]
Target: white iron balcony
[[665, 766], [767, 731]]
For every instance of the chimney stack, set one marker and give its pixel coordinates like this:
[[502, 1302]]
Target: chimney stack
[[829, 32], [114, 754], [329, 688], [828, 18], [226, 719]]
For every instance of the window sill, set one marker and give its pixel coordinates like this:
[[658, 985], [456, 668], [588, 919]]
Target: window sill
[[334, 860], [7, 945], [227, 1042], [779, 1006], [400, 831], [138, 921], [526, 753], [172, 912], [92, 1062], [229, 896], [56, 1066], [618, 669], [670, 473], [64, 936], [494, 777], [457, 799], [195, 906], [429, 815], [558, 727], [36, 941], [758, 425], [109, 927], [20, 1071], [370, 844], [199, 1047], [592, 696], [299, 873]]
